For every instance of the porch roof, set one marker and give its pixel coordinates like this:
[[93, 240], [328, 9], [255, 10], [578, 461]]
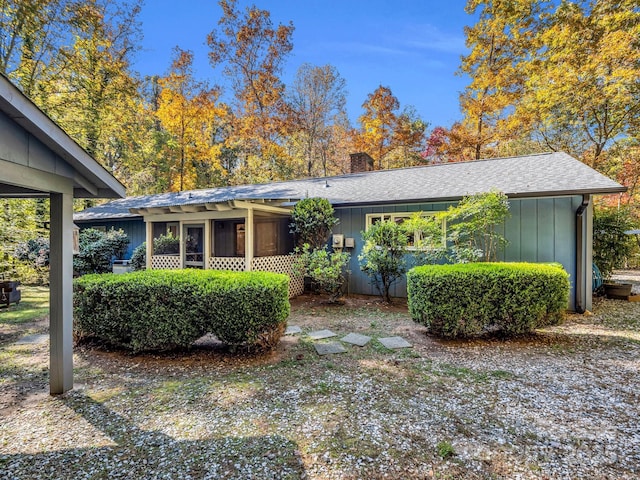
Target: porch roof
[[541, 175]]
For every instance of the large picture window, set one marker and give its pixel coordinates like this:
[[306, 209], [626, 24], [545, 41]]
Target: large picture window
[[401, 217]]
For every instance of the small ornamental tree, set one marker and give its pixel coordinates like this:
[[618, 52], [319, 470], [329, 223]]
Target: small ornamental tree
[[326, 270], [611, 246], [383, 255], [312, 221], [472, 227]]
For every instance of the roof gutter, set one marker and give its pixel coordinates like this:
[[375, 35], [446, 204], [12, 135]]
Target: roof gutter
[[581, 256]]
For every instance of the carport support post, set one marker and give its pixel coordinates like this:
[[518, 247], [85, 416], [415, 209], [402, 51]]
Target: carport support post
[[61, 294]]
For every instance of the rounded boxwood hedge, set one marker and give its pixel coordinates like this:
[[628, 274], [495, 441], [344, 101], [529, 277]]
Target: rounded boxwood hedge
[[167, 309], [472, 299]]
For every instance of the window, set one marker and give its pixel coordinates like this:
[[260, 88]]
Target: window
[[166, 228], [266, 238], [240, 240], [399, 218]]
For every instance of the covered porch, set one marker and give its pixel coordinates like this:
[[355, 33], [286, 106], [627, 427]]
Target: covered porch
[[236, 235]]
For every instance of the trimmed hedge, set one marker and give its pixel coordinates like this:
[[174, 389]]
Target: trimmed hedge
[[473, 299], [167, 309]]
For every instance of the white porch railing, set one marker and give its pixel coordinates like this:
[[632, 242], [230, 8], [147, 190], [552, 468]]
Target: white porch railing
[[165, 262], [235, 264], [276, 264], [280, 264]]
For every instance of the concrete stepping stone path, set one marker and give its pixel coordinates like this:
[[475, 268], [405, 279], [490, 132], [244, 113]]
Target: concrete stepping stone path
[[394, 343], [33, 339], [329, 348], [292, 330], [356, 339], [320, 334]]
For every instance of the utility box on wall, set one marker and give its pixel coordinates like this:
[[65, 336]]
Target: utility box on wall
[[338, 240]]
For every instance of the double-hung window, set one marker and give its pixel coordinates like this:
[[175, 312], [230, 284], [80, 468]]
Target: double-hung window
[[415, 237]]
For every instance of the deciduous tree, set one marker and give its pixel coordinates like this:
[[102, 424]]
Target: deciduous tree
[[316, 98], [253, 51], [392, 137], [582, 88], [500, 41], [189, 114]]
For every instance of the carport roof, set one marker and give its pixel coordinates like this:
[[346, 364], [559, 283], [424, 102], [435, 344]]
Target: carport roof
[[90, 178]]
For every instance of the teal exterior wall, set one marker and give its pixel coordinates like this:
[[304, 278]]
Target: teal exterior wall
[[538, 230], [134, 228]]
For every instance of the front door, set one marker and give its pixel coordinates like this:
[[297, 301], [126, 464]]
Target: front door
[[193, 246]]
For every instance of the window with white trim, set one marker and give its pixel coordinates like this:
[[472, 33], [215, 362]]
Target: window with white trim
[[401, 217]]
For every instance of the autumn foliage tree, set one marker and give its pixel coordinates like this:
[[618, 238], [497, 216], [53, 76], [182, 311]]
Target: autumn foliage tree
[[562, 74], [188, 112], [316, 99], [253, 52], [582, 88], [391, 137], [500, 43]]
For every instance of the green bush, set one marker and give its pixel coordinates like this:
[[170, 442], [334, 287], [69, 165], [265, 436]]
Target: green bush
[[167, 309], [166, 245], [139, 257], [312, 221], [611, 246], [98, 249], [326, 270], [383, 255], [473, 299]]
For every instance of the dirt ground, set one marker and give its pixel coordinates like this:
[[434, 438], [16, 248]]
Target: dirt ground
[[560, 403]]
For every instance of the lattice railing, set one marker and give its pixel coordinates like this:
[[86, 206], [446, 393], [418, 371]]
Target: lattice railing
[[280, 264], [235, 264], [165, 262]]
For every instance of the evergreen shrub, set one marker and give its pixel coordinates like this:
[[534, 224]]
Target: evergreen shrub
[[473, 299], [168, 309]]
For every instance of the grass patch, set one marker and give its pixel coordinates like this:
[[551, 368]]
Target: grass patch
[[33, 306], [445, 450]]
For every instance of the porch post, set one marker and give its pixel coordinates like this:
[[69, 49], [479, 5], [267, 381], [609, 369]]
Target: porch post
[[61, 294], [149, 236], [183, 243], [207, 243], [248, 240]]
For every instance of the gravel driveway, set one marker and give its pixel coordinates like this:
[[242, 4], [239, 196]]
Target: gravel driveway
[[563, 403]]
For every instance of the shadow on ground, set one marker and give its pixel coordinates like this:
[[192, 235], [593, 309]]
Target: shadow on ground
[[137, 453]]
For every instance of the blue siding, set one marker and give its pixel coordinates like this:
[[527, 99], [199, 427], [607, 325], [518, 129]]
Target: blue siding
[[538, 230], [134, 228]]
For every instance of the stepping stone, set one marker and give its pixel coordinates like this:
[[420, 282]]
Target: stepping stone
[[393, 343], [320, 334], [33, 339], [329, 348], [292, 330], [356, 339]]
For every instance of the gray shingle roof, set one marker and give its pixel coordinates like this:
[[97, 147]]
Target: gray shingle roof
[[549, 174]]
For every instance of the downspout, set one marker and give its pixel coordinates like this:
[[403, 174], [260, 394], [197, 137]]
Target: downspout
[[581, 283]]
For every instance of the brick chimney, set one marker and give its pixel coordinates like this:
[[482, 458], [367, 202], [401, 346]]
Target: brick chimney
[[361, 162]]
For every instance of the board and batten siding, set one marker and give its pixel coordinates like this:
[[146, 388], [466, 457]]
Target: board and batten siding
[[538, 230], [134, 228]]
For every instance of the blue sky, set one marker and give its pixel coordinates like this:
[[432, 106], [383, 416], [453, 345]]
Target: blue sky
[[411, 46]]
